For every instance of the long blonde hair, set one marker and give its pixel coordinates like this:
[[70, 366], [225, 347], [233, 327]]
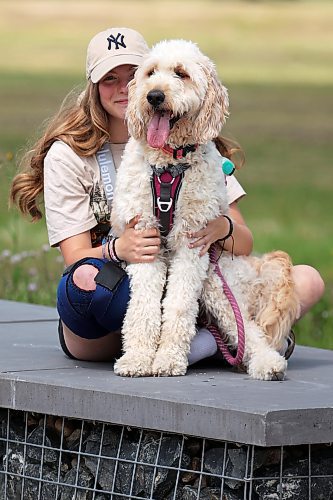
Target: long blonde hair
[[82, 123]]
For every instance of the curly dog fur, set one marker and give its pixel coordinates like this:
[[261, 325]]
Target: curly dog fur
[[161, 317]]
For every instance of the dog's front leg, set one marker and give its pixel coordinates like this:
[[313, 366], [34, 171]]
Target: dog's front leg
[[142, 323], [187, 272]]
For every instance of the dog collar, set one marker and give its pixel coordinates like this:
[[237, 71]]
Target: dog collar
[[179, 153], [174, 170]]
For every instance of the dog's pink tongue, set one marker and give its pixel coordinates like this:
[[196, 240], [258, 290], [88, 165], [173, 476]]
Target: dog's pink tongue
[[158, 129]]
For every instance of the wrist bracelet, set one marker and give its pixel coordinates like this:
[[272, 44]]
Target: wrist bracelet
[[231, 229], [103, 251], [110, 256], [112, 251]]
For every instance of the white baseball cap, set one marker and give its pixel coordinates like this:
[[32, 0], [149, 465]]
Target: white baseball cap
[[111, 48]]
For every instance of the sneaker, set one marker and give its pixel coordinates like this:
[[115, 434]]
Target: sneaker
[[291, 340]]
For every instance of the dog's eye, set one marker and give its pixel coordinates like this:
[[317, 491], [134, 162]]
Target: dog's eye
[[181, 74], [151, 72]]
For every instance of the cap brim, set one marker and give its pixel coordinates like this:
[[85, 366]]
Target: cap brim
[[112, 62]]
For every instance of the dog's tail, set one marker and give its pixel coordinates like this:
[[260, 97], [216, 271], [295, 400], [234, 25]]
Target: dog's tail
[[275, 303]]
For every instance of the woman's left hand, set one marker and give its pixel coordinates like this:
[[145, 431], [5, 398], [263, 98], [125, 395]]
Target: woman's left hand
[[204, 238]]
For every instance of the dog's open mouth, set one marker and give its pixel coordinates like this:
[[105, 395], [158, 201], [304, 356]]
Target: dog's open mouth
[[159, 128]]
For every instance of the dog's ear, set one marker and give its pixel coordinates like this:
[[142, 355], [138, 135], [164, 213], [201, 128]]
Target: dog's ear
[[214, 110], [134, 124]]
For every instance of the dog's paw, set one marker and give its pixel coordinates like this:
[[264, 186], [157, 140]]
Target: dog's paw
[[135, 364], [169, 362], [269, 366]]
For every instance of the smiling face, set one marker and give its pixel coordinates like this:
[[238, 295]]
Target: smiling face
[[113, 90], [170, 91]]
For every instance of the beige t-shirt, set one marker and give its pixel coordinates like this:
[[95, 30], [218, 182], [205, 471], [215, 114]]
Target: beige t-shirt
[[74, 196]]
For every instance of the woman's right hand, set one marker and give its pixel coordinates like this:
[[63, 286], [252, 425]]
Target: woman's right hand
[[138, 245]]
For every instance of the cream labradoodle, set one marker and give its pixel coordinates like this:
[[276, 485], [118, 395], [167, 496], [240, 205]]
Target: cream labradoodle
[[177, 99]]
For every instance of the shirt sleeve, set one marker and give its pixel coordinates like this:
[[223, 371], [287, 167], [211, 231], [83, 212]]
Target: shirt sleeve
[[67, 190], [234, 190]]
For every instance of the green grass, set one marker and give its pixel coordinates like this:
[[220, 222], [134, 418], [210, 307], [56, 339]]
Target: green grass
[[275, 59]]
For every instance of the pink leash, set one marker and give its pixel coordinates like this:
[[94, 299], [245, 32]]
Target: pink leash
[[221, 340]]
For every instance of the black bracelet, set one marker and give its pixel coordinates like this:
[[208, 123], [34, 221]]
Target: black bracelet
[[231, 229], [114, 251]]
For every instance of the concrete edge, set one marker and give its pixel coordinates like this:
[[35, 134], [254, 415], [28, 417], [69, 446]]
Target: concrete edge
[[135, 411]]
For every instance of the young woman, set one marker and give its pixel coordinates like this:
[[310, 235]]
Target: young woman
[[63, 167]]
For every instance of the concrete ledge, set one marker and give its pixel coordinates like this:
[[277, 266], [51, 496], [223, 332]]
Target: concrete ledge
[[210, 401]]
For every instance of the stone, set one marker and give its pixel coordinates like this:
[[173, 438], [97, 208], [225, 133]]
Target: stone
[[37, 489], [213, 460], [109, 448], [191, 493], [236, 467], [35, 453], [159, 481], [292, 489], [85, 480]]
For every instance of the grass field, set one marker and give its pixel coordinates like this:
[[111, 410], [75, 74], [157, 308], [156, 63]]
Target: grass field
[[275, 58]]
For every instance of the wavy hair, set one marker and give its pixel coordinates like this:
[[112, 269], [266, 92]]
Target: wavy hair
[[230, 149], [82, 123]]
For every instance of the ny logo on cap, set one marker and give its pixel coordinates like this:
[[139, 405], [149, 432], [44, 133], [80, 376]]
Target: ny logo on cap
[[118, 43]]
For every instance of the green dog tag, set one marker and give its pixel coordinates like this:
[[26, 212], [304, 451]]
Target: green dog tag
[[227, 166]]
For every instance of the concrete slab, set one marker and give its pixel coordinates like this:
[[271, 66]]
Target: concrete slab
[[210, 401], [13, 312]]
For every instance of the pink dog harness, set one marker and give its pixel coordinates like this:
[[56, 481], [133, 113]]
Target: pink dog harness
[[166, 184]]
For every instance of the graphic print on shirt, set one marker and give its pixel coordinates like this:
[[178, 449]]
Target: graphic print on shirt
[[102, 213]]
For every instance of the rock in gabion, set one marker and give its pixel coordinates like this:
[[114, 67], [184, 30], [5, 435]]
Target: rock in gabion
[[52, 458]]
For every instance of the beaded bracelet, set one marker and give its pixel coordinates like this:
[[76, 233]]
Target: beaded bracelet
[[231, 229], [103, 251]]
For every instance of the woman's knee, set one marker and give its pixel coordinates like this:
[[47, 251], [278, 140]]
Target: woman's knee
[[75, 294], [84, 277], [310, 286], [91, 309]]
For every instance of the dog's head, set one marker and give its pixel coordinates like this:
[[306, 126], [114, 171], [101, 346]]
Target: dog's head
[[176, 96]]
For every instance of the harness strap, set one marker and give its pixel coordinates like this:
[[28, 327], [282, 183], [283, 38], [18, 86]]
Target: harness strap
[[166, 183], [165, 190], [108, 171]]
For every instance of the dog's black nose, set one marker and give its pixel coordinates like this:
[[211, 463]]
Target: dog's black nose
[[155, 97]]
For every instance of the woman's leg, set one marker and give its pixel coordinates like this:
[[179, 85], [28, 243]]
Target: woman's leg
[[91, 313], [309, 286], [106, 348]]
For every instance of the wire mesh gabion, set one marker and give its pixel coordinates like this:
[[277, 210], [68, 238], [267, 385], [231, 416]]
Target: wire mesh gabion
[[56, 458]]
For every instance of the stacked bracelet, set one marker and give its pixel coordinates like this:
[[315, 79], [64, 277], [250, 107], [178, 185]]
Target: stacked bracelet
[[111, 246], [109, 251], [231, 229]]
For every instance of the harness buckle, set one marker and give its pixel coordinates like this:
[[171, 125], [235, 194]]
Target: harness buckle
[[167, 204]]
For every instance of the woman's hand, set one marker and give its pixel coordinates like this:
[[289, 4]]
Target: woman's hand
[[241, 242], [214, 230], [138, 245]]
